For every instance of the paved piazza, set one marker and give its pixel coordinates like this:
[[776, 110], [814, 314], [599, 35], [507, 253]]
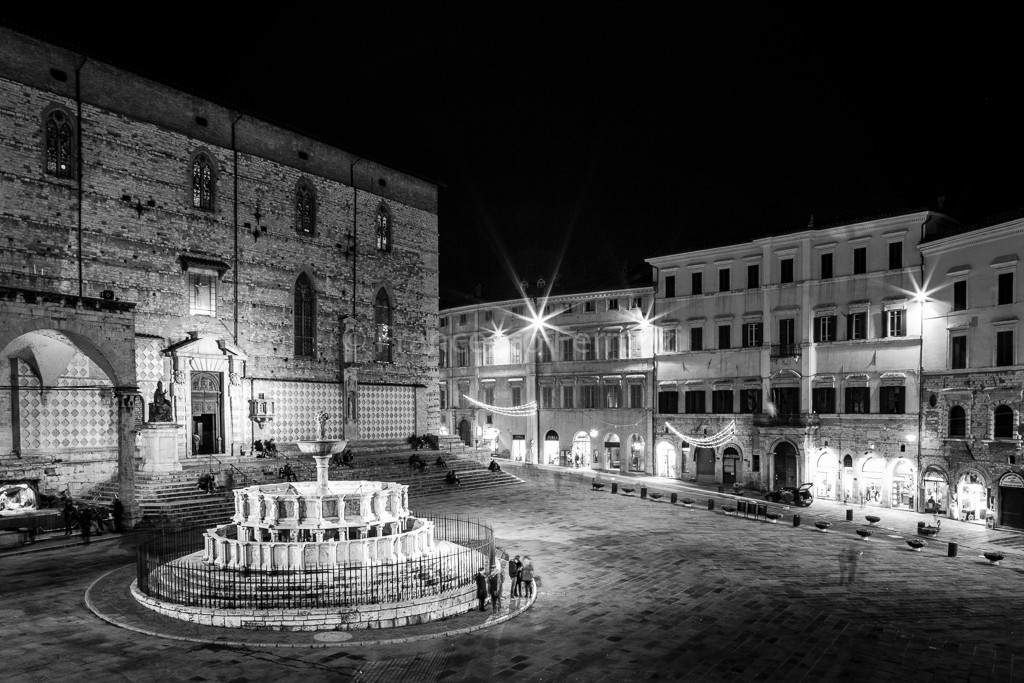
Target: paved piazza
[[631, 590]]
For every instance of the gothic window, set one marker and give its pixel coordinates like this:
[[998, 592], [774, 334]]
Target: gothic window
[[305, 208], [383, 229], [204, 182], [60, 144], [305, 318], [384, 337]]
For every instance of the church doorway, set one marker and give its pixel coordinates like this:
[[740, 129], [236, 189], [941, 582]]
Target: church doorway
[[466, 432], [207, 408]]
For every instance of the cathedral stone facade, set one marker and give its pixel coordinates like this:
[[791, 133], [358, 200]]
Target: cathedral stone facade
[[158, 244]]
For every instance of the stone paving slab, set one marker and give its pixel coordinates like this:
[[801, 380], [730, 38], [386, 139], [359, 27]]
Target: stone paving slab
[[632, 590]]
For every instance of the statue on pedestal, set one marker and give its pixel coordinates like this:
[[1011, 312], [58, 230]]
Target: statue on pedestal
[[160, 409]]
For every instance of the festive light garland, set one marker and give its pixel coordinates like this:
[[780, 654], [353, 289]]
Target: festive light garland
[[525, 410], [720, 439]]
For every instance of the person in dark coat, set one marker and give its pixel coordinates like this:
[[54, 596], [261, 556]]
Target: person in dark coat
[[70, 516], [118, 514], [481, 587], [85, 521], [526, 577], [494, 587], [514, 566]]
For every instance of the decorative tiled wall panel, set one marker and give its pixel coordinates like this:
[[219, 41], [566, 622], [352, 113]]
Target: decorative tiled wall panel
[[296, 406], [386, 412], [76, 416]]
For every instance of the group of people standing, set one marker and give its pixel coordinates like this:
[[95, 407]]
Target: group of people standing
[[522, 579], [86, 516]]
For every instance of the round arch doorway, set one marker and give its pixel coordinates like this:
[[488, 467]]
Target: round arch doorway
[[666, 454], [705, 458], [466, 432], [580, 450], [611, 451], [730, 466], [785, 465], [551, 448]]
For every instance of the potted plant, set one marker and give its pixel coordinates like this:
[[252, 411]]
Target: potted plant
[[598, 485], [864, 533], [994, 557], [916, 544], [774, 517], [628, 490], [729, 509], [873, 519], [688, 502], [823, 526], [655, 495]]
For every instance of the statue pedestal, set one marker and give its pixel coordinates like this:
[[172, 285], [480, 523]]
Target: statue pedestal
[[160, 447]]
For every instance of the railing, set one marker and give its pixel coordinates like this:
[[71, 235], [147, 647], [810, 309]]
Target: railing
[[784, 350], [166, 571]]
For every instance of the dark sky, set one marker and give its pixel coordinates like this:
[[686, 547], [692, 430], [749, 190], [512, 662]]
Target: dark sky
[[589, 142]]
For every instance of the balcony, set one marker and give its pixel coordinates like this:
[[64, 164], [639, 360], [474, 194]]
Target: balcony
[[786, 420], [785, 350]]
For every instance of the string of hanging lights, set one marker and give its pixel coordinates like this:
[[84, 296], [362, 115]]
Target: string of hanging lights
[[525, 410], [714, 441]]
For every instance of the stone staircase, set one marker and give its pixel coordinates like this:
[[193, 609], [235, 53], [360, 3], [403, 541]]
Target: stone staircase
[[175, 499]]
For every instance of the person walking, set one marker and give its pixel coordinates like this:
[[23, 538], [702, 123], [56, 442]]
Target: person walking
[[85, 521], [514, 565], [481, 587], [118, 514], [526, 577], [848, 558], [494, 586], [70, 515]]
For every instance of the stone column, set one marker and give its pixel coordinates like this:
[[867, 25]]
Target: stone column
[[126, 456]]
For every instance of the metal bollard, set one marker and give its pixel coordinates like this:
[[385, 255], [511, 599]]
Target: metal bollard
[[951, 551], [849, 515], [643, 491], [711, 503], [675, 497], [796, 520], [615, 487]]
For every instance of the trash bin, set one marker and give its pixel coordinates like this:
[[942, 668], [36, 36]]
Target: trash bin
[[675, 497], [762, 510], [796, 520], [741, 507], [643, 491], [615, 487], [711, 503], [951, 551], [849, 515]]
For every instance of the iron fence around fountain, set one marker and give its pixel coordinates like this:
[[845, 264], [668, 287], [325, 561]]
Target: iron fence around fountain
[[168, 569]]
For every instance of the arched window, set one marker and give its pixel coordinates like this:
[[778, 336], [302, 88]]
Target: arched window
[[60, 144], [383, 229], [305, 318], [305, 207], [1003, 425], [957, 422], [384, 334], [204, 182]]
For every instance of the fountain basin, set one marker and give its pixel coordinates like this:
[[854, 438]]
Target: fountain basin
[[322, 446]]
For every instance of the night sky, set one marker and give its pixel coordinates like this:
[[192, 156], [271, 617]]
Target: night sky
[[589, 142]]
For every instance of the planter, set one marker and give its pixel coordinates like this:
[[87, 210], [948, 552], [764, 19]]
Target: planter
[[688, 502], [729, 509], [916, 544], [994, 557], [628, 489], [656, 496], [927, 531], [864, 533], [773, 517], [598, 486], [873, 519], [823, 526]]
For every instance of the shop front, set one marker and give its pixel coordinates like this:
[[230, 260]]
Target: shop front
[[636, 453], [972, 497], [826, 476], [904, 482], [667, 459], [871, 481], [610, 459], [849, 490], [936, 491], [579, 456], [551, 448]]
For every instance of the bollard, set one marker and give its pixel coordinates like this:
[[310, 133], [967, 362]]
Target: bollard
[[920, 525], [643, 491], [711, 503], [675, 497], [849, 515], [796, 520], [951, 551], [615, 487]]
